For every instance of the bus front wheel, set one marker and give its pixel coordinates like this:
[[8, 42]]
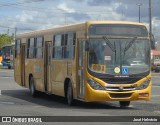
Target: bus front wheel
[[32, 88], [70, 100], [124, 103]]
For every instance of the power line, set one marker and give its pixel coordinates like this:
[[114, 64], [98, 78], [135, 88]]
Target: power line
[[6, 27], [29, 8], [15, 28], [28, 22], [18, 3], [44, 9]]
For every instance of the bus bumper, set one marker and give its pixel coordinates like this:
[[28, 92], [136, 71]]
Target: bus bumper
[[102, 95]]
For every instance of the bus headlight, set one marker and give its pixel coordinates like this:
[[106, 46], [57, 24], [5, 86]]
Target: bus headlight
[[144, 85], [95, 85]]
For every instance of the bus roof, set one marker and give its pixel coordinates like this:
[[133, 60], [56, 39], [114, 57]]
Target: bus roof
[[114, 22], [80, 25]]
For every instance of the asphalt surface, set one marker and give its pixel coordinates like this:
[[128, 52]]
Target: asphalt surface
[[16, 101]]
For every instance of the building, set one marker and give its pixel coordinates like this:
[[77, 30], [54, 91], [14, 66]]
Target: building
[[155, 60]]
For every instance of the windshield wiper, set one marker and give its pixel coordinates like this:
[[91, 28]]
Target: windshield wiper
[[130, 44], [109, 44]]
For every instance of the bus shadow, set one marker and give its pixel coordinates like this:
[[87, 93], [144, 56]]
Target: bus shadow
[[23, 97]]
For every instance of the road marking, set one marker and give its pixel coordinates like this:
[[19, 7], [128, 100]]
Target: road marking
[[6, 71], [5, 76], [10, 103], [155, 95], [156, 76], [155, 86], [157, 112]]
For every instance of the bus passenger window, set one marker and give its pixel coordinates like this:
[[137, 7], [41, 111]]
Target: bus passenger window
[[69, 47], [17, 48], [31, 48], [57, 48], [38, 47]]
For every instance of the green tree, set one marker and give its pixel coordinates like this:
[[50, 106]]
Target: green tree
[[5, 39]]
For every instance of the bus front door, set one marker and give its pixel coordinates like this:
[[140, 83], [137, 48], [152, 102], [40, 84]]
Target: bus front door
[[23, 64], [81, 64], [47, 67]]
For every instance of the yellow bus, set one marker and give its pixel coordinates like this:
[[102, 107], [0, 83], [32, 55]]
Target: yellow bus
[[90, 61], [7, 53], [0, 57]]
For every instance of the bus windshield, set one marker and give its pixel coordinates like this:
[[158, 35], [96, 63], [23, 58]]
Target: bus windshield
[[6, 52], [119, 56]]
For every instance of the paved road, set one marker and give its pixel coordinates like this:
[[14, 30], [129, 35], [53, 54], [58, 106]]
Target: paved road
[[16, 101]]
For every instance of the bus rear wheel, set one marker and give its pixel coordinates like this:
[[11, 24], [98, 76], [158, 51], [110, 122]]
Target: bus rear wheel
[[32, 88], [70, 100], [124, 103]]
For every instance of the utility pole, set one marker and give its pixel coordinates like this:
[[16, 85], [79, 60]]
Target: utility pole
[[8, 31], [140, 4], [15, 32], [150, 25]]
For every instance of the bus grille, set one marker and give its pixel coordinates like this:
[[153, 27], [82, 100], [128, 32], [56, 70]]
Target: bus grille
[[117, 89], [120, 95], [120, 80]]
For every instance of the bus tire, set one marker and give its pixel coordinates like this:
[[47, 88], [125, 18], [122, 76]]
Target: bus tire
[[32, 87], [124, 103], [70, 100]]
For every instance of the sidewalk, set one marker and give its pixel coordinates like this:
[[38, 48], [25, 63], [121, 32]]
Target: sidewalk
[[3, 67]]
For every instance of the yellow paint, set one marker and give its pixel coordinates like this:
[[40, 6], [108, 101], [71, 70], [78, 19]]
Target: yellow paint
[[99, 68]]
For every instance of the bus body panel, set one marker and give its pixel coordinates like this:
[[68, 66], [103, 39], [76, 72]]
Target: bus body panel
[[17, 70], [35, 68], [101, 95], [59, 72], [97, 95]]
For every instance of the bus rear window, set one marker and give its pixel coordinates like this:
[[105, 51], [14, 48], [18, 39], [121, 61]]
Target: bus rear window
[[118, 30]]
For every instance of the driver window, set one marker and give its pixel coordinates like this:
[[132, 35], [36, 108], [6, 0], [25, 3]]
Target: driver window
[[96, 53]]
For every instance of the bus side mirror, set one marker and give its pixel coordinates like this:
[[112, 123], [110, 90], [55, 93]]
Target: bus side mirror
[[86, 46]]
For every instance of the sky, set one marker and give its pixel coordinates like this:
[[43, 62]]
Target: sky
[[30, 15]]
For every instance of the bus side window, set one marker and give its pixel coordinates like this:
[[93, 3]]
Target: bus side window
[[17, 48], [53, 50], [69, 48], [57, 48], [71, 44], [38, 47], [31, 48], [65, 50]]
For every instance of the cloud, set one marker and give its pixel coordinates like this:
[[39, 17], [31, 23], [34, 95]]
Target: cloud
[[99, 2], [64, 7], [38, 14], [108, 2], [78, 16]]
